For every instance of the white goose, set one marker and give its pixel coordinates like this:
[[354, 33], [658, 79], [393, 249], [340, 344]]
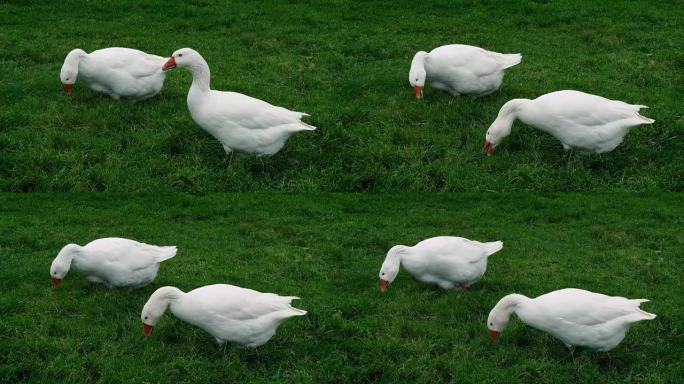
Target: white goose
[[117, 72], [241, 123], [112, 261], [574, 316], [445, 261], [227, 312], [579, 120], [460, 70]]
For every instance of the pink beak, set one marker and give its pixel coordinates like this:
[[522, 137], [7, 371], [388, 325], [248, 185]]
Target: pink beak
[[419, 91], [69, 89], [56, 282], [384, 285], [147, 329], [488, 148], [494, 335], [170, 64]]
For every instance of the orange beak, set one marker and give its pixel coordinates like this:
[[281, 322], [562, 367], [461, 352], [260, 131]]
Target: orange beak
[[494, 335], [171, 64], [384, 285], [147, 329], [419, 91], [69, 89], [488, 148], [56, 282]]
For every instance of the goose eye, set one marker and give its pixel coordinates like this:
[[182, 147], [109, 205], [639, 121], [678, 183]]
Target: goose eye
[[145, 317], [492, 324], [180, 55]]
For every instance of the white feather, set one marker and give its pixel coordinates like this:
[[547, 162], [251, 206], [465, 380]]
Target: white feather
[[117, 72], [227, 312], [241, 123], [445, 261], [574, 316], [464, 69], [579, 120], [113, 261]]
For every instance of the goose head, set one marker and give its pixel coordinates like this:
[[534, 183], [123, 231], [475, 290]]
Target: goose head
[[390, 268], [182, 58], [501, 314], [501, 127], [156, 306], [496, 323], [62, 263], [417, 74], [495, 135], [69, 71]]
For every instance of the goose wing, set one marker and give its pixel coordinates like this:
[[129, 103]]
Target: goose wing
[[231, 108], [235, 303], [475, 60], [585, 109], [583, 307], [136, 63]]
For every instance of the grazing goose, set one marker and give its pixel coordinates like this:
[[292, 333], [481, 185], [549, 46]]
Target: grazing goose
[[574, 316], [117, 72], [460, 70], [241, 123], [579, 120], [445, 261], [227, 312], [112, 261]]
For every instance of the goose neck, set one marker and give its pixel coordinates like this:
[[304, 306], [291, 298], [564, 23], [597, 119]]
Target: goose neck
[[397, 254], [512, 110], [201, 76], [74, 57], [171, 294], [512, 303], [419, 59], [66, 255]]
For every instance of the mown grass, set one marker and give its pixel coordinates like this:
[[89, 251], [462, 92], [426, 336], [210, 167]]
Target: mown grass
[[327, 249], [345, 63]]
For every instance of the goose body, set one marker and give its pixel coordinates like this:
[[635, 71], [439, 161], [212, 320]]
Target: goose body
[[112, 261], [118, 72], [460, 70], [574, 316], [227, 312], [579, 120], [445, 261], [239, 122]]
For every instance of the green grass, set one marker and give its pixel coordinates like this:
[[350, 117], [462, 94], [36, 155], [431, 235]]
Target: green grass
[[345, 63], [328, 248]]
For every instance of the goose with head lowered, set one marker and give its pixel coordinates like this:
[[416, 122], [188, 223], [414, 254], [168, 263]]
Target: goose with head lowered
[[574, 316], [445, 261], [241, 123], [112, 261], [579, 120], [227, 312], [462, 70], [118, 72]]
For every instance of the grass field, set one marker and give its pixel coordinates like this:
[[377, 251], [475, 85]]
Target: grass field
[[346, 64], [328, 248]]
